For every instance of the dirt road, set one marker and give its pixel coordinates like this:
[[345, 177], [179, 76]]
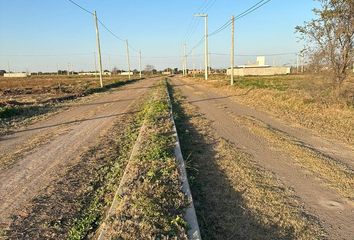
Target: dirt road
[[33, 157], [299, 157]]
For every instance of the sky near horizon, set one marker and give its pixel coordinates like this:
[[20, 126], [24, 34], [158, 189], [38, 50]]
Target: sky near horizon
[[48, 35]]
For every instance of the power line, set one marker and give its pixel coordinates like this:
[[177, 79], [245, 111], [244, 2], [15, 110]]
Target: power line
[[82, 8], [110, 31], [255, 7], [228, 23], [254, 55], [194, 23], [208, 7], [46, 55], [101, 22], [241, 15]]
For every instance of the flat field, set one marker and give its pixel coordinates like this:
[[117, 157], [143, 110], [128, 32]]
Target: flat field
[[38, 89]]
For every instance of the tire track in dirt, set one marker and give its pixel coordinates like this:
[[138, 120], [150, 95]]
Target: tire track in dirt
[[39, 167], [335, 212]]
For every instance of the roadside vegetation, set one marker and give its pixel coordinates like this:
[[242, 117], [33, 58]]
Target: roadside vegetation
[[305, 100], [234, 197], [151, 203]]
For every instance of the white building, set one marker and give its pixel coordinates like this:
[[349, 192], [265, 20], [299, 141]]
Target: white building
[[127, 73], [16, 75], [259, 69], [94, 73]]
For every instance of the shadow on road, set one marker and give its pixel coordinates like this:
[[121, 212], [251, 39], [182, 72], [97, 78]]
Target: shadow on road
[[72, 122], [220, 209], [99, 103]]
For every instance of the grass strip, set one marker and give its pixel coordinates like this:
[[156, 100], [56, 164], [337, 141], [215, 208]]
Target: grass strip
[[151, 202]]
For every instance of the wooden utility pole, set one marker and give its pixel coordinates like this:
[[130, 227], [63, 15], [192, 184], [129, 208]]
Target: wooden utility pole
[[94, 57], [193, 60], [206, 53], [128, 58], [185, 59], [232, 49], [98, 48], [206, 46], [140, 65]]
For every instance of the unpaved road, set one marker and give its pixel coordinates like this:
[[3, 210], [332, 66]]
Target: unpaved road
[[34, 156], [335, 212]]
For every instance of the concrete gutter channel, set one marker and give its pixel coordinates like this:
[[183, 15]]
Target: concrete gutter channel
[[190, 215]]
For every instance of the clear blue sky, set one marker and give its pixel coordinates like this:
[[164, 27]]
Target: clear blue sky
[[32, 30]]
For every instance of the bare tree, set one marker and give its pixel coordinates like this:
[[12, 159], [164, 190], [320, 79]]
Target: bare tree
[[329, 38], [149, 69]]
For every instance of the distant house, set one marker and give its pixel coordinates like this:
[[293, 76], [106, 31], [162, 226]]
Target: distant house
[[259, 69], [94, 73], [195, 71], [127, 73], [16, 75], [2, 72]]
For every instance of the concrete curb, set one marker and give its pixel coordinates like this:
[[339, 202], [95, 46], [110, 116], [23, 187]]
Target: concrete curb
[[190, 215]]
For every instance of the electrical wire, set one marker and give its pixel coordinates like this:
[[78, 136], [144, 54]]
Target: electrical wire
[[46, 55], [102, 24], [254, 55], [241, 15], [228, 23], [82, 8], [110, 31], [195, 22], [210, 6]]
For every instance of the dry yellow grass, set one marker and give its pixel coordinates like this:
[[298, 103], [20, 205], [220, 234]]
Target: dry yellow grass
[[304, 100], [332, 173]]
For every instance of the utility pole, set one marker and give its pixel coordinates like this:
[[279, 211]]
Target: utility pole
[[193, 60], [128, 57], [140, 64], [182, 60], [206, 54], [182, 65], [232, 49], [94, 57], [185, 59], [98, 48]]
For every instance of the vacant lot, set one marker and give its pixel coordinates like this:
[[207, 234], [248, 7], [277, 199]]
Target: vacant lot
[[25, 99], [41, 88]]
